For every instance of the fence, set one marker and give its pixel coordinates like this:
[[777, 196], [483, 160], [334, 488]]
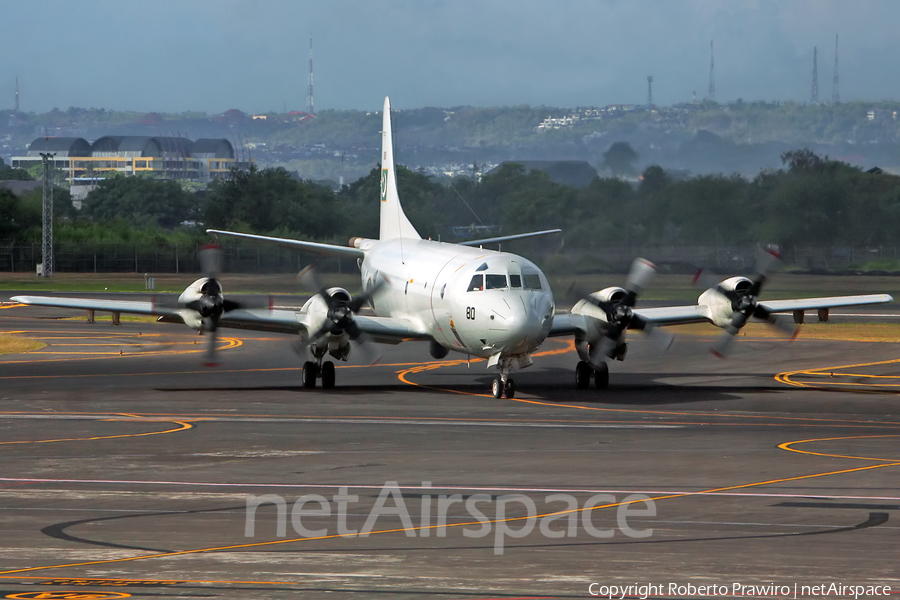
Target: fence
[[87, 257]]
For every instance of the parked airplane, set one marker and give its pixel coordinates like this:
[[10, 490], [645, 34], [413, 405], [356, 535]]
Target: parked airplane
[[460, 297]]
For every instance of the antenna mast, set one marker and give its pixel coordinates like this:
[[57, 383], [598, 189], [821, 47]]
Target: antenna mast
[[309, 92], [650, 90], [835, 89], [17, 94], [712, 74], [815, 86]]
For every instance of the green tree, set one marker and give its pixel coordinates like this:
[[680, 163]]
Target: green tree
[[620, 158], [141, 201]]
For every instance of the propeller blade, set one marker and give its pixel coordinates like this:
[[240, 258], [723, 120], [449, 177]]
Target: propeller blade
[[642, 271], [780, 322], [367, 352], [211, 329], [211, 258], [722, 345], [659, 337]]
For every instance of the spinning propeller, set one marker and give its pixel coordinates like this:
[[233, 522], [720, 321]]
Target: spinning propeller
[[342, 309], [620, 314], [745, 304], [211, 304]]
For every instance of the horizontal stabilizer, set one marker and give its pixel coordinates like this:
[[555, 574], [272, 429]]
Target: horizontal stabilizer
[[314, 247], [507, 238]]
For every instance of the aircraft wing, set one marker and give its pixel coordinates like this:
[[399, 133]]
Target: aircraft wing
[[507, 238], [274, 321], [134, 307], [314, 247], [569, 324], [392, 330], [833, 302]]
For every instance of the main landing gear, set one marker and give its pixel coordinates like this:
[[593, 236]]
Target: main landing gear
[[312, 371], [584, 372]]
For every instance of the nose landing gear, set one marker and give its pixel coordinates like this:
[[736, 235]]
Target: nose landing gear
[[501, 388], [503, 384]]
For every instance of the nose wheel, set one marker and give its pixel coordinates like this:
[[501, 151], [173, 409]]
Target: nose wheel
[[501, 388], [584, 372]]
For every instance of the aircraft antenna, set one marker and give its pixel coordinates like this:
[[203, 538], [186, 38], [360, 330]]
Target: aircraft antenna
[[712, 73], [309, 92], [835, 89], [815, 85]]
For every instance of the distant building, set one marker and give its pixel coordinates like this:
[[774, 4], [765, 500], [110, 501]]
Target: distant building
[[166, 157]]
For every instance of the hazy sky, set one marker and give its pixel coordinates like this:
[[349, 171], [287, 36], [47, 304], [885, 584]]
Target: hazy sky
[[212, 55]]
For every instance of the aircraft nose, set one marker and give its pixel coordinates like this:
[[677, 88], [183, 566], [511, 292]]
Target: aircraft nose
[[527, 324]]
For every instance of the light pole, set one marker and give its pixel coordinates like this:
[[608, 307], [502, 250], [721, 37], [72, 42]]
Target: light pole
[[47, 218]]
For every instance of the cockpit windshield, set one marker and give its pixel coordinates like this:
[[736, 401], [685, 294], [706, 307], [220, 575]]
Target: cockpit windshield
[[498, 281], [532, 281], [495, 282]]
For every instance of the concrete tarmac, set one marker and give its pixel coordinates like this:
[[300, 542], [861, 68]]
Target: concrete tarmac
[[128, 470]]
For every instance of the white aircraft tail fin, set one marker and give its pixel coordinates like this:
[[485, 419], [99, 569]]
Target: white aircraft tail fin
[[394, 223]]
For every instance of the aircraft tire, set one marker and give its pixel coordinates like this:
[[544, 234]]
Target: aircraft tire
[[510, 389], [327, 375], [601, 377], [497, 387], [309, 374], [582, 375]]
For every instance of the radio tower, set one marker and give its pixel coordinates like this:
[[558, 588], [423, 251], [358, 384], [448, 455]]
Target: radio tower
[[17, 94], [815, 87], [835, 90], [712, 73], [650, 90], [311, 109]]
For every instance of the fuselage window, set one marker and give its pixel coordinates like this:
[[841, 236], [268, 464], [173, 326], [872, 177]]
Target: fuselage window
[[495, 282], [532, 281], [515, 281], [477, 283], [443, 287]]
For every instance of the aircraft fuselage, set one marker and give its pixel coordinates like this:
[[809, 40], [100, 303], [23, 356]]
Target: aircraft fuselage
[[476, 301]]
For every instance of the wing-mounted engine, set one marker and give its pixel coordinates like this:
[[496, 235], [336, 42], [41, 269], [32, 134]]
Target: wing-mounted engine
[[730, 303], [597, 318], [331, 313], [722, 301], [610, 312]]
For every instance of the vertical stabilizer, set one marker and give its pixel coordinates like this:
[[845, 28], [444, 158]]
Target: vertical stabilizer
[[394, 223]]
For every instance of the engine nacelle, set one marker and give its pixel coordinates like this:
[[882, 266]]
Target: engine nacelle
[[336, 344], [203, 286], [596, 321], [718, 308]]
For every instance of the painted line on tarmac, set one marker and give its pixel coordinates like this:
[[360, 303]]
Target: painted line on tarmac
[[455, 526], [824, 375], [432, 489]]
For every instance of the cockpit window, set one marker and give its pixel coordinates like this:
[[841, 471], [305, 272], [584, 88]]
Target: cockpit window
[[482, 267], [477, 283], [532, 281], [495, 282], [515, 281]]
